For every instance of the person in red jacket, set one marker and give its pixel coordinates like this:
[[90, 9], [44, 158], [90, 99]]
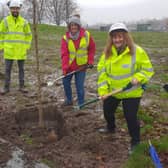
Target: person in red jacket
[[77, 51]]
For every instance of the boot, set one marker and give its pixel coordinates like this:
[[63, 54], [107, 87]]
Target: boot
[[5, 91], [23, 89], [106, 130], [67, 104], [133, 147]]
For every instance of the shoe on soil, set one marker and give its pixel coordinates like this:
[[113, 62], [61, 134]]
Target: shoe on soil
[[5, 91], [132, 148], [106, 130], [66, 104], [23, 90]]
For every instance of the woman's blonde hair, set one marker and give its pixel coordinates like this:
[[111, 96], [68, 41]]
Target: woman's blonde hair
[[128, 39]]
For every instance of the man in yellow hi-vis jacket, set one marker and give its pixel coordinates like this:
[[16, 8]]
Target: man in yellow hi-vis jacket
[[121, 63], [15, 40]]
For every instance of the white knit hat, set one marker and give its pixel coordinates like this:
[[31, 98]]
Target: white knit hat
[[118, 26], [74, 19]]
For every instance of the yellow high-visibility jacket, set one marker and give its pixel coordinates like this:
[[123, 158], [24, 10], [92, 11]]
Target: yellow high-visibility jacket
[[15, 37], [118, 70], [81, 54]]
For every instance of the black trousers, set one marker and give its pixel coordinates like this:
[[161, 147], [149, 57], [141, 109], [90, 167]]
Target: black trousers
[[8, 68], [130, 108]]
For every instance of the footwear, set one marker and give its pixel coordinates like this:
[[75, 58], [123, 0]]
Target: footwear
[[5, 91], [106, 130], [23, 90], [66, 103], [132, 148]]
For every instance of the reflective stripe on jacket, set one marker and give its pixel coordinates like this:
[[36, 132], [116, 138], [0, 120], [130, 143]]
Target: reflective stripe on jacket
[[81, 54], [118, 70], [15, 37]]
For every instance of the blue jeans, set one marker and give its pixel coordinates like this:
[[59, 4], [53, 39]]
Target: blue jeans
[[79, 83]]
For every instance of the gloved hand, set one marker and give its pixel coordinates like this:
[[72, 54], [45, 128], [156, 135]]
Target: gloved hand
[[64, 72], [90, 66]]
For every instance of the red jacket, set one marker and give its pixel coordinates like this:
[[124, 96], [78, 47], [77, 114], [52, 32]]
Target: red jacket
[[65, 53]]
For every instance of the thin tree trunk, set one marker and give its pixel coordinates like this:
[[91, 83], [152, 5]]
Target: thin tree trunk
[[67, 10], [41, 119]]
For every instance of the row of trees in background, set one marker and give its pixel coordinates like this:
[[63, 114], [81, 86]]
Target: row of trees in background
[[48, 11], [58, 11]]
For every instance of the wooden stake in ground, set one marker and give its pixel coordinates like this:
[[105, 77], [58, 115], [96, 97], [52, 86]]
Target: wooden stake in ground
[[41, 119]]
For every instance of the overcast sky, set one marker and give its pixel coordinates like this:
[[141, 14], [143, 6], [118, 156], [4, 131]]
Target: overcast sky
[[110, 11]]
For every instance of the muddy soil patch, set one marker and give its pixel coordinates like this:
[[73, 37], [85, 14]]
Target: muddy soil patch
[[82, 145], [52, 117]]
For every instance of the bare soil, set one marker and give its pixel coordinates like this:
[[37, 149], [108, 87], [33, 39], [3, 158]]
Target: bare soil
[[76, 142]]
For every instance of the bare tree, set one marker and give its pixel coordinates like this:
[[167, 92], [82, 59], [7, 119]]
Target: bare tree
[[28, 10], [70, 6], [41, 118], [67, 10], [40, 10], [52, 11], [59, 11], [4, 10]]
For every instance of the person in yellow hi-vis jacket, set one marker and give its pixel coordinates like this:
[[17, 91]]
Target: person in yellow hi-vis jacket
[[15, 40], [123, 62]]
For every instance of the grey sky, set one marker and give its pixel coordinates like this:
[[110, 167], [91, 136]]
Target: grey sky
[[108, 11]]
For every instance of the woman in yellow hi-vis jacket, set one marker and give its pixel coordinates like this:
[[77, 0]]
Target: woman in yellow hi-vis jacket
[[77, 52], [123, 62], [15, 40]]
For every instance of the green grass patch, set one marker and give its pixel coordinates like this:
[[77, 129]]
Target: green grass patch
[[148, 122], [146, 39], [146, 129], [163, 144], [140, 158], [164, 77], [50, 40], [163, 95], [145, 117], [27, 139]]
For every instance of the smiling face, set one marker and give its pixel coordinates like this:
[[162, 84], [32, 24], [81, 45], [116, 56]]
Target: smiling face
[[118, 39], [74, 28], [15, 11]]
